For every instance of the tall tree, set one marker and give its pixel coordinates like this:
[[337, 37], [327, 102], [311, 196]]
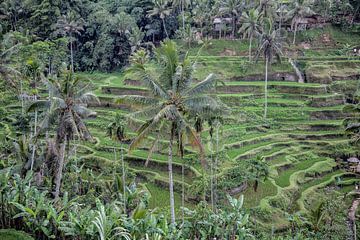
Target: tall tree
[[270, 46], [182, 4], [10, 10], [66, 111], [234, 8], [162, 9], [300, 9], [7, 71], [172, 98], [116, 131], [251, 26], [67, 26], [266, 7]]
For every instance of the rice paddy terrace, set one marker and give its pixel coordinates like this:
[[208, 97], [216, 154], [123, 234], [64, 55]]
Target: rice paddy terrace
[[300, 140]]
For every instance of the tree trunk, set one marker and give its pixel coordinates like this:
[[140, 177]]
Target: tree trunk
[[22, 96], [281, 17], [266, 83], [123, 177], [71, 54], [183, 13], [250, 47], [216, 164], [171, 181], [234, 27], [182, 191], [59, 169], [33, 140], [163, 21], [295, 29], [212, 183]]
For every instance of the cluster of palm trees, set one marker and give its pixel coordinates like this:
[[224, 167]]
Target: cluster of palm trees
[[241, 12]]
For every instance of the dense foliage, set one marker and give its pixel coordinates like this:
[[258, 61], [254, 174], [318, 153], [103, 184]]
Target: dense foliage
[[53, 185]]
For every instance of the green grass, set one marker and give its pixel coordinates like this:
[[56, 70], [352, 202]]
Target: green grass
[[283, 180], [252, 198], [160, 197], [12, 234]]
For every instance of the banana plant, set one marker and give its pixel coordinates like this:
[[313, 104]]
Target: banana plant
[[108, 223], [36, 214]]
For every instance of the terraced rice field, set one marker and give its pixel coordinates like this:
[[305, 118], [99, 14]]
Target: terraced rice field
[[298, 139]]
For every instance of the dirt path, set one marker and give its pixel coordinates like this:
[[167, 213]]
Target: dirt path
[[352, 218]]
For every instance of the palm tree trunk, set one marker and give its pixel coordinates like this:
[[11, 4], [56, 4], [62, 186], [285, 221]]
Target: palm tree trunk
[[266, 85], [34, 145], [59, 169], [71, 55], [171, 181], [295, 29], [182, 192], [281, 17], [212, 182], [250, 47], [216, 163], [123, 176], [234, 26], [163, 21], [183, 13]]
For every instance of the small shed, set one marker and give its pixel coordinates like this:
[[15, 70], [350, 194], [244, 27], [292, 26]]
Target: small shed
[[354, 164], [221, 23], [353, 160]]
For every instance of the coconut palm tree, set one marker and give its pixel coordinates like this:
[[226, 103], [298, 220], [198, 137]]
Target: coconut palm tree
[[300, 9], [160, 8], [233, 8], [266, 8], [67, 26], [172, 99], [7, 71], [182, 4], [251, 26], [281, 12], [34, 72], [67, 107], [116, 131], [270, 46]]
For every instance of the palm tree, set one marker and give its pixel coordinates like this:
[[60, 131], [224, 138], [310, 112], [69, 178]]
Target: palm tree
[[182, 4], [34, 72], [67, 26], [266, 7], [301, 9], [251, 25], [258, 169], [172, 99], [202, 14], [270, 46], [66, 110], [161, 8], [233, 8], [7, 71], [116, 131], [281, 10]]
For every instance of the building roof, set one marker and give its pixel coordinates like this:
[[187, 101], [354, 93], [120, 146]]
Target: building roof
[[353, 160]]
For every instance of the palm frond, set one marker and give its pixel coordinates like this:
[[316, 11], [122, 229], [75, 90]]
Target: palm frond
[[38, 104], [203, 86], [87, 98], [136, 100]]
